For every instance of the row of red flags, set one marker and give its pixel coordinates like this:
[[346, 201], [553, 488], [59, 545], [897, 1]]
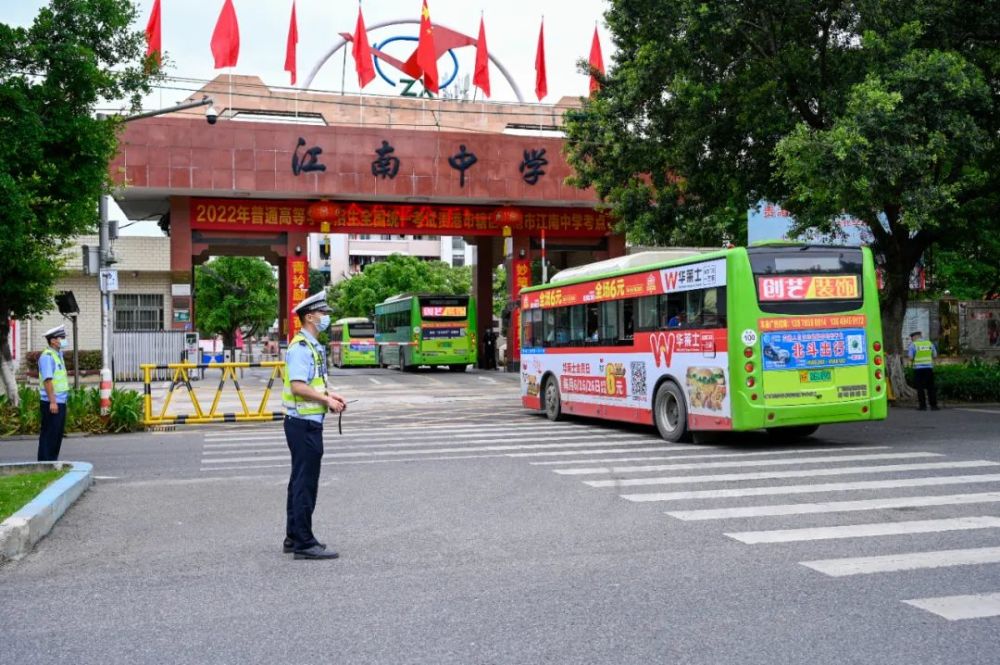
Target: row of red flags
[[422, 64]]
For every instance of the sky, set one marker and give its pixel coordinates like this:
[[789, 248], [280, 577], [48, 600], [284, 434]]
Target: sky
[[511, 33]]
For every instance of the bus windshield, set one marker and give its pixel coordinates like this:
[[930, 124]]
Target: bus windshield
[[361, 330], [807, 279], [444, 308]]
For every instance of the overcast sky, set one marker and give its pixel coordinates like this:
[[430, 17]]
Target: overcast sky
[[511, 34]]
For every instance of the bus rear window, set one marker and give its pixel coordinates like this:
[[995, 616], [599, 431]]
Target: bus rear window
[[807, 279], [444, 308], [361, 330]]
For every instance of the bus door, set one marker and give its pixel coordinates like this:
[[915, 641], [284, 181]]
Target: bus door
[[813, 335]]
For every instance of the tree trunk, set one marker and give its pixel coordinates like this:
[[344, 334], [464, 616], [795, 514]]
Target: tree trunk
[[897, 292], [7, 362]]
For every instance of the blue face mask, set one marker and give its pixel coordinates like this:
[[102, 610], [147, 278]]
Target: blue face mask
[[324, 323], [63, 343]]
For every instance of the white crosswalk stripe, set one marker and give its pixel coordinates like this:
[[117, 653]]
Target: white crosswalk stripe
[[799, 451], [957, 608], [865, 530], [887, 563]]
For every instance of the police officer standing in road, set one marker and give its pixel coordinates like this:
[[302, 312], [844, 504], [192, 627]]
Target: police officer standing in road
[[53, 384], [306, 401], [922, 353]]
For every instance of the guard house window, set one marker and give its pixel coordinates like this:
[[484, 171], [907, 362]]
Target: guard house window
[[138, 311]]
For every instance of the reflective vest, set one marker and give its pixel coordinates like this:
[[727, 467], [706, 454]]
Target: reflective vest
[[60, 380], [317, 382], [923, 353]]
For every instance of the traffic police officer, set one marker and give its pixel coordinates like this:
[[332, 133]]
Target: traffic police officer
[[53, 384], [922, 353], [306, 401]]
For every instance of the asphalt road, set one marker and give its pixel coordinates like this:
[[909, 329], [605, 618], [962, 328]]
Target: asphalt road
[[472, 531]]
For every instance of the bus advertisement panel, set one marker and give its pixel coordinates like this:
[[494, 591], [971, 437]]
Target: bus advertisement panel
[[652, 344]]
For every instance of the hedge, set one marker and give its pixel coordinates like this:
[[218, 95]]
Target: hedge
[[90, 361], [973, 381], [83, 409]]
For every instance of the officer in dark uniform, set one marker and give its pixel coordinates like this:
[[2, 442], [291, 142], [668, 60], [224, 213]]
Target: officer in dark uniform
[[306, 401], [53, 386]]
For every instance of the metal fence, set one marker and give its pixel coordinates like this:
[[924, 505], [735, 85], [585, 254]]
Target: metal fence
[[129, 350]]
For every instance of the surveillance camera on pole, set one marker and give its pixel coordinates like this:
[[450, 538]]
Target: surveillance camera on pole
[[211, 115]]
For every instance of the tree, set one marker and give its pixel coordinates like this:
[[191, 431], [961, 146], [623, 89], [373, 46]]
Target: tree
[[500, 291], [235, 292], [398, 274], [54, 154], [886, 110], [317, 281]]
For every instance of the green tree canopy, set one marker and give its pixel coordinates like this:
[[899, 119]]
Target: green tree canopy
[[358, 295], [235, 292], [887, 110], [54, 153], [317, 281]]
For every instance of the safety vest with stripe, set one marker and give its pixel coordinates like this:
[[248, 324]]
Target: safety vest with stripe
[[60, 380], [317, 382], [923, 353]]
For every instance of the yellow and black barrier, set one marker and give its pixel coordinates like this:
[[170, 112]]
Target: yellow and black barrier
[[180, 376]]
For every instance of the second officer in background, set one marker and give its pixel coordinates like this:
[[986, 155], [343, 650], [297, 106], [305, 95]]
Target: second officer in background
[[306, 401]]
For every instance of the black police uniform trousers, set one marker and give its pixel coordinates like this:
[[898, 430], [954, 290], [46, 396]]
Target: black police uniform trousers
[[51, 436], [923, 379], [305, 442]]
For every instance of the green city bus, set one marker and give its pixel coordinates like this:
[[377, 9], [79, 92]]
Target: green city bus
[[780, 336], [352, 342], [414, 330]]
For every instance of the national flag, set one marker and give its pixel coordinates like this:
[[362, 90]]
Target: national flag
[[541, 85], [362, 53], [481, 75], [426, 53], [596, 62], [293, 41], [154, 34], [226, 37]]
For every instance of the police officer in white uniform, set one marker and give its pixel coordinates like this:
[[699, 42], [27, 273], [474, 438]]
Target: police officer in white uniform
[[306, 401], [53, 386]]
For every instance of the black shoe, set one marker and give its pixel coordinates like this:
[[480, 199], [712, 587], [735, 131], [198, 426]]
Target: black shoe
[[316, 552], [288, 546]]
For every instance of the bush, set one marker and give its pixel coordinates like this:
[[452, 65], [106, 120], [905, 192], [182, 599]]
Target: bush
[[974, 381], [83, 412], [90, 361]]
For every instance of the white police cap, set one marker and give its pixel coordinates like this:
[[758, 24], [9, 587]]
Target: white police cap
[[314, 303], [58, 331]]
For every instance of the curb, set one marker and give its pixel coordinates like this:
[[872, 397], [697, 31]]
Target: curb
[[20, 531]]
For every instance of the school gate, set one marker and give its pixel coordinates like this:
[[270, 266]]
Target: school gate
[[273, 170]]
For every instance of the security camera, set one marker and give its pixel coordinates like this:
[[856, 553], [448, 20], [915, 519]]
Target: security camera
[[211, 115]]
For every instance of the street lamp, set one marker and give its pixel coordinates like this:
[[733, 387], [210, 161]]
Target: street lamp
[[104, 249]]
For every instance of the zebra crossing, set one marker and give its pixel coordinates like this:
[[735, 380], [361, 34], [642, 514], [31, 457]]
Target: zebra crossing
[[724, 486]]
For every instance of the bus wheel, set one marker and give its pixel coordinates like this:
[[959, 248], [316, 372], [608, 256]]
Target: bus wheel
[[458, 368], [553, 405], [670, 412], [792, 433]]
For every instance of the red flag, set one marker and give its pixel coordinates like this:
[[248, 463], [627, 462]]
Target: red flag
[[293, 40], [481, 75], [226, 37], [426, 53], [153, 33], [362, 52], [541, 85], [596, 62]]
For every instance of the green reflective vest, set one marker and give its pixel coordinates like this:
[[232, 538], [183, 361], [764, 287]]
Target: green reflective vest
[[60, 380], [289, 400], [923, 353]]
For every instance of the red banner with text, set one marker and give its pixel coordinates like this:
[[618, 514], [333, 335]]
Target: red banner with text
[[298, 290]]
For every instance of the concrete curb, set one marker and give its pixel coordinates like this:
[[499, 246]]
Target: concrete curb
[[20, 531]]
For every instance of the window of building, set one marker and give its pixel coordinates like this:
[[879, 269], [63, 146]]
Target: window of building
[[458, 260], [458, 243], [138, 311]]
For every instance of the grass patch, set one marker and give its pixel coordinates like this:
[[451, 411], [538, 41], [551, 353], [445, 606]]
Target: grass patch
[[18, 490]]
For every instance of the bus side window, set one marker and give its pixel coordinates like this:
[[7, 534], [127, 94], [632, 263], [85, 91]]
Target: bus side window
[[549, 327], [536, 327], [610, 326], [562, 326], [672, 312], [592, 323], [577, 324], [626, 315], [647, 316]]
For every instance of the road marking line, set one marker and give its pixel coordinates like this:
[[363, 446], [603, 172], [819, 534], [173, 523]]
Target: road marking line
[[771, 475], [432, 451], [599, 451], [374, 380], [260, 447], [435, 438], [957, 608], [865, 530], [699, 455], [978, 410], [443, 430], [722, 465], [891, 563], [486, 379], [834, 506], [819, 488]]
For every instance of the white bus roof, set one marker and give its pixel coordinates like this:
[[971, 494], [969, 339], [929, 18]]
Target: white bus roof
[[352, 319]]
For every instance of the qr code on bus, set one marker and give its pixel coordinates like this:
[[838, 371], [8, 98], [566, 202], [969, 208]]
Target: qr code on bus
[[638, 379]]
